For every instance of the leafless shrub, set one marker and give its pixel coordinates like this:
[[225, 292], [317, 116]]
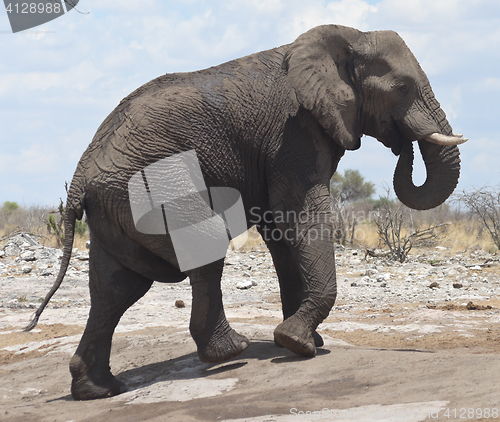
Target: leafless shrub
[[346, 218], [484, 203], [340, 220], [397, 230]]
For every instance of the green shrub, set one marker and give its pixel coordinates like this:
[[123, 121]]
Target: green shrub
[[80, 228], [9, 207]]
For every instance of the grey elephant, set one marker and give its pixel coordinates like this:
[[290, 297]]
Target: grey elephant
[[273, 126]]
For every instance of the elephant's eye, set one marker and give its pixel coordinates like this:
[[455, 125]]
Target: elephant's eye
[[403, 89]]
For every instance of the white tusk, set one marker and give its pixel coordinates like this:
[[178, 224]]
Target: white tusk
[[439, 139]]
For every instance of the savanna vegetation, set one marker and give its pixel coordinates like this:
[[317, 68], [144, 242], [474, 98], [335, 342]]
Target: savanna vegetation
[[42, 221], [470, 219]]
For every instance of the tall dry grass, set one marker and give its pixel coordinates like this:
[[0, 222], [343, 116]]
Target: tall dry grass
[[462, 232], [33, 219]]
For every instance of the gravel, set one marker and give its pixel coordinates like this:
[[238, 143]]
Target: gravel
[[28, 269]]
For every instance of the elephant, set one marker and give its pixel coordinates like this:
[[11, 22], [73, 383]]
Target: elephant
[[273, 126]]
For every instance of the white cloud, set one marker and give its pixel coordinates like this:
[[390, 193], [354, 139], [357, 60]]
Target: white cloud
[[486, 85], [124, 6], [78, 72], [81, 76], [37, 156]]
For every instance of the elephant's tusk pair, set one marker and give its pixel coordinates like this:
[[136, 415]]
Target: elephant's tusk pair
[[439, 139]]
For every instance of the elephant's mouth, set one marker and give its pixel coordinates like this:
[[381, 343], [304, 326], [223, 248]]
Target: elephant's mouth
[[399, 134]]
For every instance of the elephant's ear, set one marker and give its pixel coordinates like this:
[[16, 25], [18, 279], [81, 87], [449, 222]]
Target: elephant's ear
[[318, 67]]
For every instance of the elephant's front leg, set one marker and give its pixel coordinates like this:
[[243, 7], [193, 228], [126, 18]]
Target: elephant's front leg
[[289, 276], [311, 243], [215, 339]]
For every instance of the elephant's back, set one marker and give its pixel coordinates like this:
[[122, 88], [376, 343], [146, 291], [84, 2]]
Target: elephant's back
[[213, 111]]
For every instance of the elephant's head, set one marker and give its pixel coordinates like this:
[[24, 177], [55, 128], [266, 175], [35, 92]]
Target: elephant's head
[[370, 83]]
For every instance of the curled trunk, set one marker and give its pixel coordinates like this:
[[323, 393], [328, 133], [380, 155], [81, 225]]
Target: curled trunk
[[442, 163]]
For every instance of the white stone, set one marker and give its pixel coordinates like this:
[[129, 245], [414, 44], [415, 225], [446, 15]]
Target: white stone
[[28, 256], [245, 284], [26, 269]]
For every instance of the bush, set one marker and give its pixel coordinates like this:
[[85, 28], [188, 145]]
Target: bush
[[351, 186], [399, 232], [9, 207], [55, 225], [484, 203]]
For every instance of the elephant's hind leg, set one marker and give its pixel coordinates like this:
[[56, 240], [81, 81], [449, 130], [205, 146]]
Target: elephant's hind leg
[[113, 289], [215, 339]]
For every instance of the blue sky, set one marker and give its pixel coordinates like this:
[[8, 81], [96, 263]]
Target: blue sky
[[60, 80]]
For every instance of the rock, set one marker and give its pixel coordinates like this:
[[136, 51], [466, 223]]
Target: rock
[[180, 304], [28, 256], [48, 255], [2, 253], [458, 285], [18, 243], [384, 277], [475, 268], [473, 307], [26, 269], [82, 256], [245, 284], [454, 270], [11, 249], [45, 271]]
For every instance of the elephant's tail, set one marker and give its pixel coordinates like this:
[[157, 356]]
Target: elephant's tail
[[69, 234]]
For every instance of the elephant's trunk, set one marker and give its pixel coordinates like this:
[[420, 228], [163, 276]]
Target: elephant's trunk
[[442, 163]]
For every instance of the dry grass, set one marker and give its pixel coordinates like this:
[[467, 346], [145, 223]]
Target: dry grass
[[458, 235], [33, 219], [461, 234], [247, 241], [45, 238]]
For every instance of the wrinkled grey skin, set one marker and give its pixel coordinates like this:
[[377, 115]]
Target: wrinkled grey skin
[[274, 126]]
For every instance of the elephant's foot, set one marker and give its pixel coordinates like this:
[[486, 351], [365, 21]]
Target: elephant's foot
[[297, 337], [89, 386], [318, 340], [224, 347]]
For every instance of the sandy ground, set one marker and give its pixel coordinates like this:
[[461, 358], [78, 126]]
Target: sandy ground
[[402, 361]]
